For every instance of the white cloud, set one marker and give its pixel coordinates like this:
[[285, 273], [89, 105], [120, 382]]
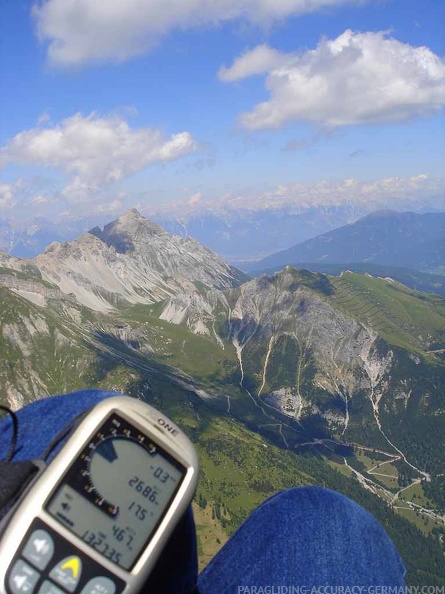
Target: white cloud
[[417, 192], [400, 193], [40, 199], [7, 196], [113, 207], [358, 78], [94, 151], [83, 31], [260, 60], [195, 199]]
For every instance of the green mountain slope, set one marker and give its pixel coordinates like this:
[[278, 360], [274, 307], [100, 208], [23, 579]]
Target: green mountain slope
[[42, 350], [241, 468], [330, 360], [419, 281], [334, 354], [403, 317], [224, 385]]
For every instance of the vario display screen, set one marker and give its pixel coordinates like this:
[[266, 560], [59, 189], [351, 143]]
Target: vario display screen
[[117, 490]]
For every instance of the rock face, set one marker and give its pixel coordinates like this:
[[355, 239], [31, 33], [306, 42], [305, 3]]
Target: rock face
[[18, 264], [132, 260], [337, 353], [290, 342], [42, 341]]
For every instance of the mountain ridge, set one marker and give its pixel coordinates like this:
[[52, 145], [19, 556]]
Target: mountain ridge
[[417, 280], [380, 238], [239, 229], [132, 260]]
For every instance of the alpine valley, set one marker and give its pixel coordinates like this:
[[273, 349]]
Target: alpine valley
[[292, 379]]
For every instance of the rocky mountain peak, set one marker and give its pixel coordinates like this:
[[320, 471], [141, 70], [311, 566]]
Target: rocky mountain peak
[[132, 260], [129, 232]]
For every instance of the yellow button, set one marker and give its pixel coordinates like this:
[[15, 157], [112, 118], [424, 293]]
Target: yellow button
[[74, 565], [67, 573]]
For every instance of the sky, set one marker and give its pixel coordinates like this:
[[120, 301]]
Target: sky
[[112, 104]]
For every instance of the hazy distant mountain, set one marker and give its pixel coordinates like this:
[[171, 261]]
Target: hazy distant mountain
[[245, 229], [388, 238], [27, 240], [244, 235], [240, 231], [237, 234]]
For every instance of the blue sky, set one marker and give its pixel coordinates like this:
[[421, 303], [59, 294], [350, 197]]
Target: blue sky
[[113, 104]]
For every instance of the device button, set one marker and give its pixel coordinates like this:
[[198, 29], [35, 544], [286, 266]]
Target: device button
[[23, 578], [49, 588], [67, 573], [99, 585], [39, 549]]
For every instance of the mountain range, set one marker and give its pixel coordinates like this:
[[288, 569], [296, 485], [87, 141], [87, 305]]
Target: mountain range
[[295, 378], [242, 235], [132, 260], [241, 231], [238, 234], [386, 238]]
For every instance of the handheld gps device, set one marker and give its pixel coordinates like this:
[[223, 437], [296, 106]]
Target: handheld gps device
[[98, 517]]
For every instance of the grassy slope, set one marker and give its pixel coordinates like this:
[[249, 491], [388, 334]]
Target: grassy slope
[[419, 281], [39, 353], [411, 320]]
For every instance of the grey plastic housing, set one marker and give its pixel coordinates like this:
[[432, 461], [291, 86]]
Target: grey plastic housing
[[154, 425]]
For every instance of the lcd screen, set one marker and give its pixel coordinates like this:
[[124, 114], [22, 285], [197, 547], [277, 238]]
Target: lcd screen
[[117, 491]]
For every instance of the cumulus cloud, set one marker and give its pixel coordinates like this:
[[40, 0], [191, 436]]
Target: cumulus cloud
[[94, 151], [260, 60], [357, 78], [83, 31]]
